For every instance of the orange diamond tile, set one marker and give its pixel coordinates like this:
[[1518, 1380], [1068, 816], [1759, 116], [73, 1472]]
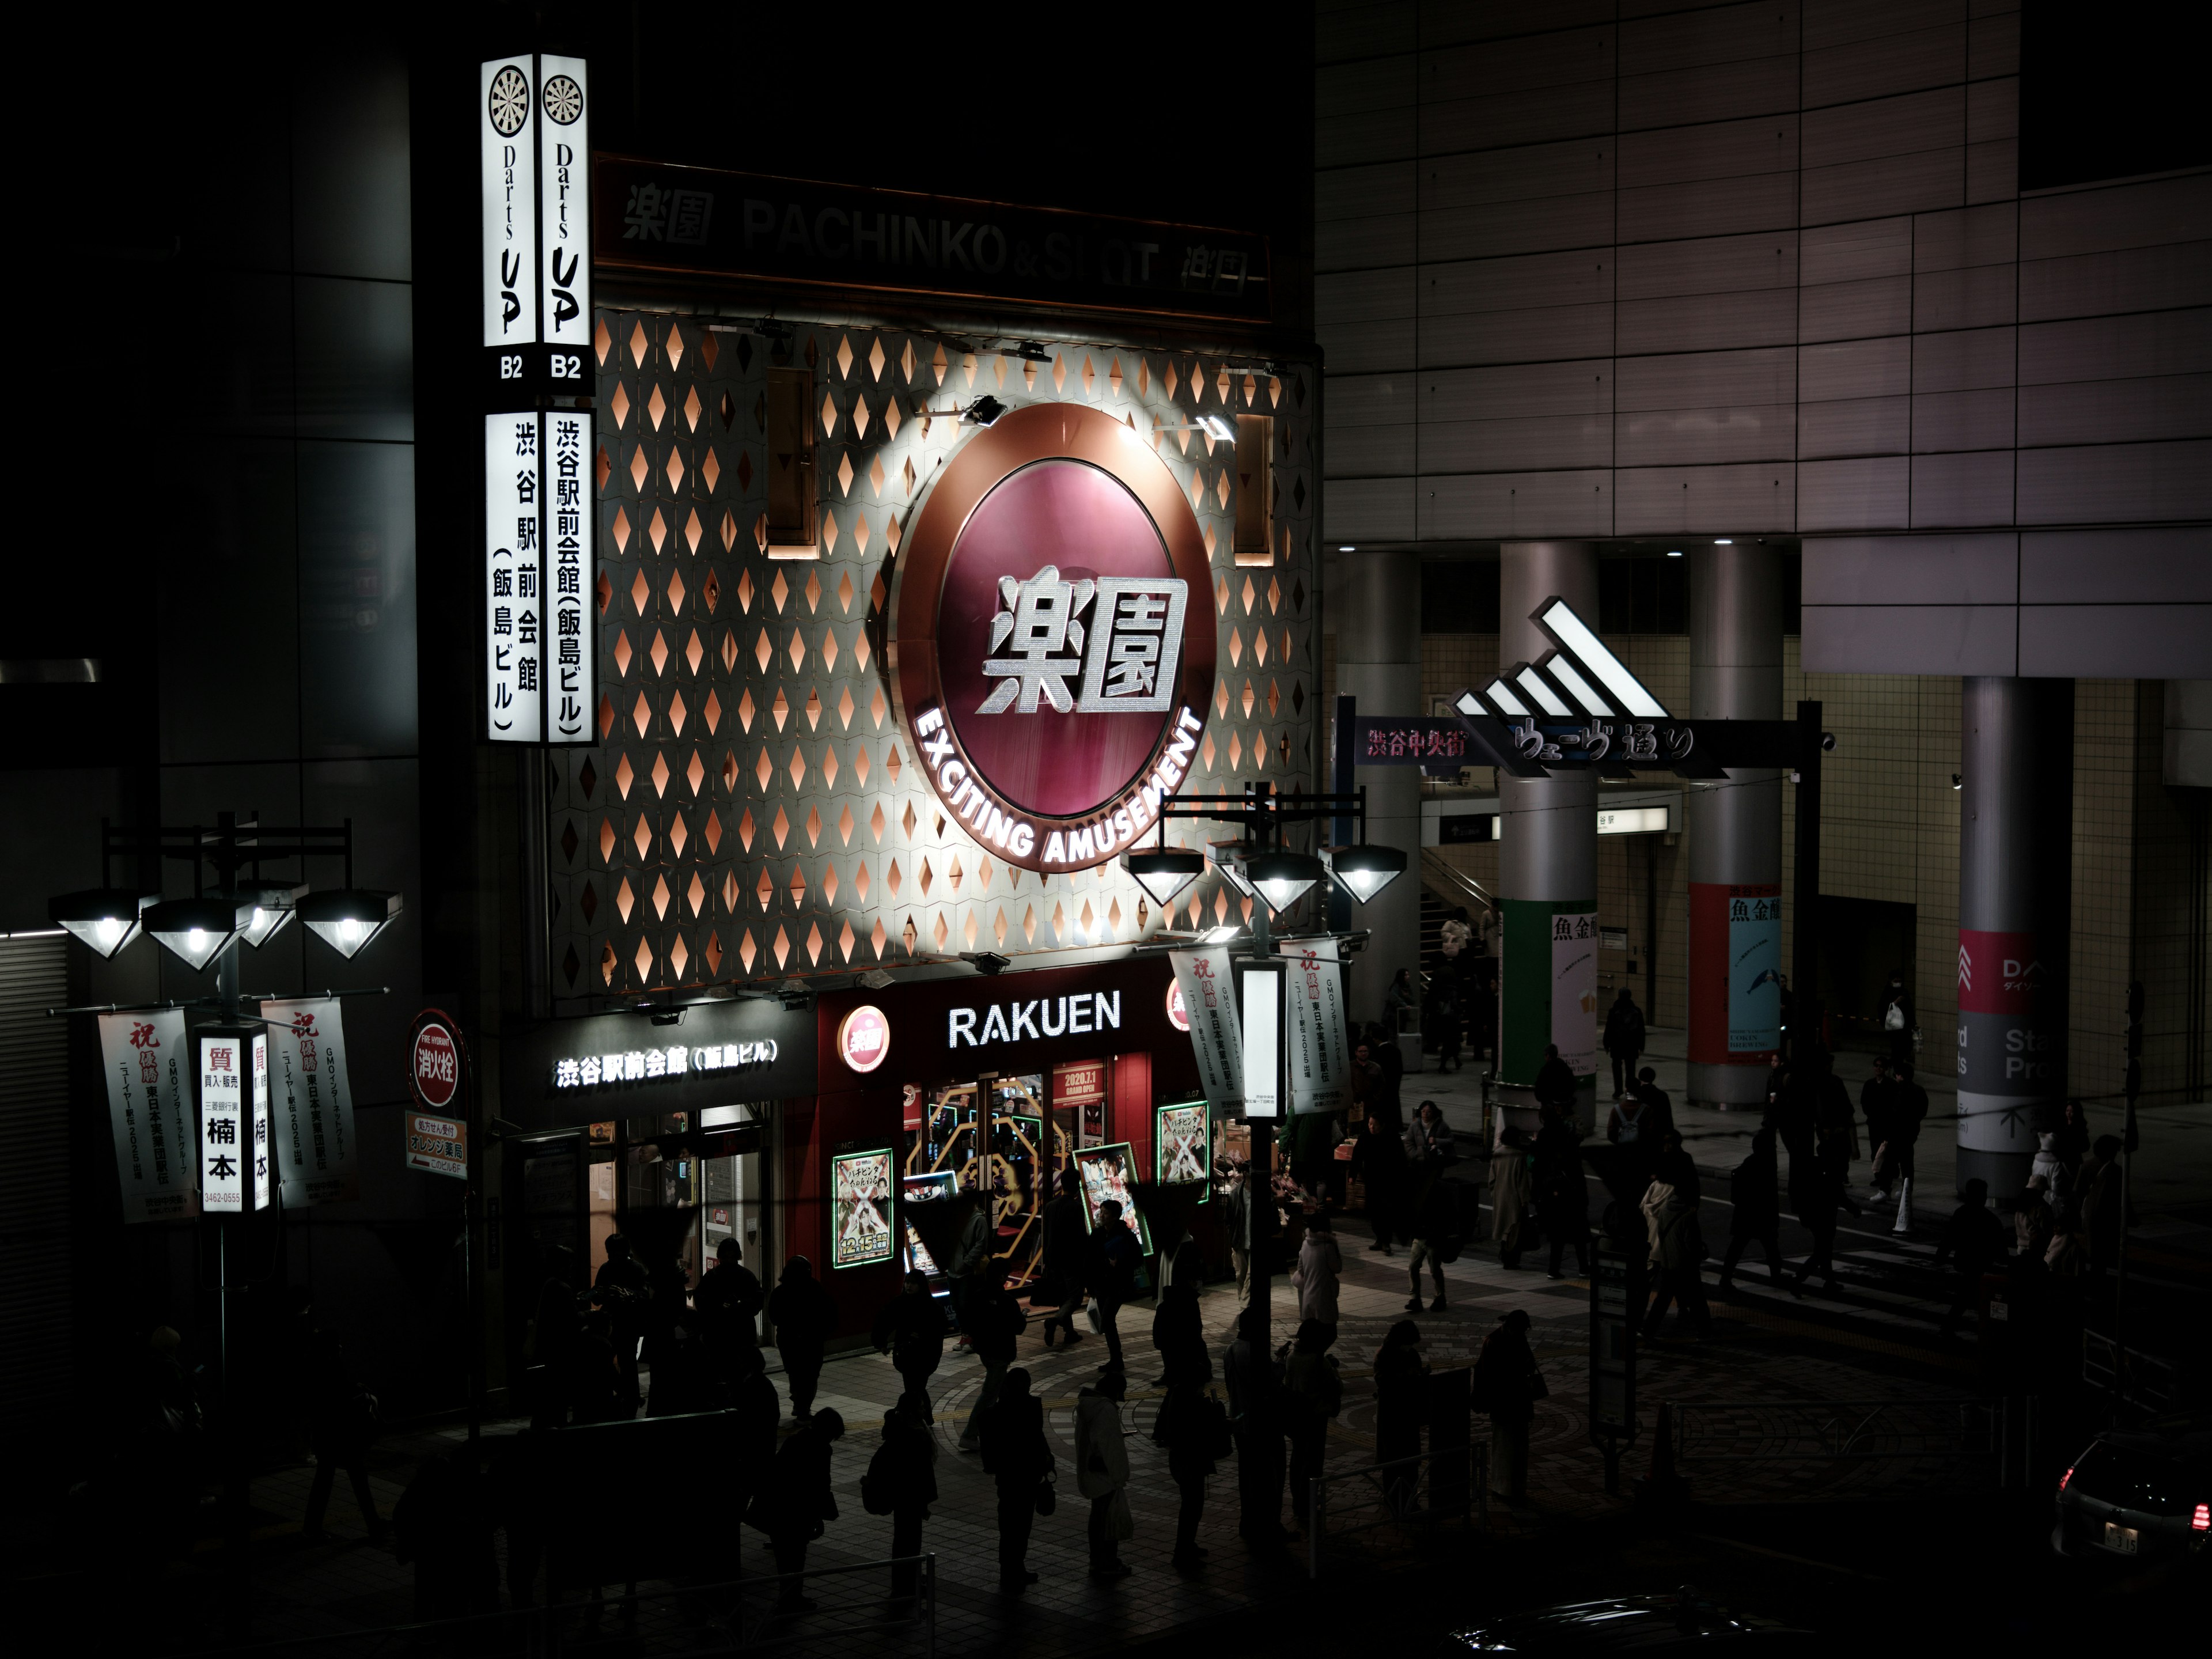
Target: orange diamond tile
[[643, 836]]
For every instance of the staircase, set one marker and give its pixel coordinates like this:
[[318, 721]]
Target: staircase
[[1445, 890]]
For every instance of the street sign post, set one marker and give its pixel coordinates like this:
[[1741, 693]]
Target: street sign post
[[438, 1141], [1616, 1299]]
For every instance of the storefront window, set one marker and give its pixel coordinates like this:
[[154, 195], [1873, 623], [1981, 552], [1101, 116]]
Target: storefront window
[[1014, 1156]]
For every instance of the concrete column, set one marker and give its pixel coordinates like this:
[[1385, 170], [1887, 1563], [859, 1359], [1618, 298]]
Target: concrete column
[[1378, 662], [2015, 896], [1547, 855], [1736, 830]]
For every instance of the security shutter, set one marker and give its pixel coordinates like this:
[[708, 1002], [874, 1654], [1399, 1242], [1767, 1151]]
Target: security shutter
[[34, 1180]]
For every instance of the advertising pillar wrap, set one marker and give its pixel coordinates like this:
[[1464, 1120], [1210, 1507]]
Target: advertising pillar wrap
[[2011, 1052]]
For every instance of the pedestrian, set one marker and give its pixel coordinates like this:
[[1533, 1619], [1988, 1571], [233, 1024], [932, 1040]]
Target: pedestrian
[[1816, 1192], [1835, 1129], [1237, 1220], [342, 1421], [1379, 1158], [554, 1328], [1178, 1326], [1678, 1246], [1110, 1271], [1429, 1142], [911, 1330], [1506, 1383], [1067, 1238], [1390, 1062], [1454, 937], [756, 1415], [1019, 1461], [1904, 1135], [1555, 1081], [1401, 1001], [977, 1239], [2032, 1220], [623, 1290], [995, 1320], [2068, 1141], [804, 1315], [1646, 1089], [667, 1351], [729, 1299], [1319, 1267], [1509, 1189], [1878, 1101], [1402, 1378], [1562, 1200], [1755, 1194], [901, 1482], [1309, 1141], [1255, 1422], [1190, 1428], [1623, 1039], [1101, 1473], [1312, 1395], [1974, 1237], [1447, 1019], [1436, 1241], [591, 1389], [2100, 1211], [795, 1503], [1897, 1021]]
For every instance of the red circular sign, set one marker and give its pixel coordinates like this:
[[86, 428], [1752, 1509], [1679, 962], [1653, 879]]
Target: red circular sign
[[1178, 1016], [433, 1065], [864, 1038], [1053, 636]]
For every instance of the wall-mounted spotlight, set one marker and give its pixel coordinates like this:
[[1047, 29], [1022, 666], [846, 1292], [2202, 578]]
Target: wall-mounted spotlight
[[1030, 352], [984, 410], [1222, 429]]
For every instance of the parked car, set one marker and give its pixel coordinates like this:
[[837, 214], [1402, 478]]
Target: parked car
[[1682, 1623], [2142, 1492]]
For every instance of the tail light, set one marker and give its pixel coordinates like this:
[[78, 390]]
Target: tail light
[[2064, 1477], [2202, 1520]]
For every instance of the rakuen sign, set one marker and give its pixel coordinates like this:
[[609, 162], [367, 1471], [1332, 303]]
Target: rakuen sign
[[1052, 635]]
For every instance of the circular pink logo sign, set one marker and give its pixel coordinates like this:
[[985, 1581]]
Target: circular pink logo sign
[[864, 1038], [1178, 1016], [1021, 596]]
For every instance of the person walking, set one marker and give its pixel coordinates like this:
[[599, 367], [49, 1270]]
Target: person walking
[[622, 1288], [995, 1319], [1755, 1194], [1312, 1395], [1816, 1192], [1453, 937], [1178, 1326], [1378, 1158], [1661, 1122], [729, 1299], [1562, 1199], [757, 1415], [1066, 1240], [795, 1503], [1102, 1471], [1509, 1189], [976, 1238], [1632, 1127], [342, 1421], [1678, 1246], [1878, 1101], [2100, 1210], [911, 1330], [1436, 1240], [1897, 1021], [1623, 1039], [1430, 1145], [1506, 1383], [1401, 1379], [1974, 1237], [1835, 1129], [1904, 1134], [804, 1315], [1188, 1428], [1019, 1461], [1390, 1062], [1110, 1271], [1403, 1002], [1447, 1017], [1554, 1084], [1319, 1267], [901, 1483], [1255, 1422], [1237, 1220]]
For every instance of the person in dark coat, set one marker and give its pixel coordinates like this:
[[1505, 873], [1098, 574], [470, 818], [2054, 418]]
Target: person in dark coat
[[1019, 1460], [1312, 1396], [623, 1289], [1379, 1158], [1677, 1243], [911, 1330], [1623, 1039], [1975, 1238], [795, 1504], [1816, 1192], [1562, 1200], [1897, 1021], [1255, 1421], [908, 1464], [1661, 1109], [341, 1423], [1066, 1242], [995, 1319], [1183, 1428], [1436, 1234], [1755, 1191], [729, 1299], [1555, 1082], [804, 1315], [1384, 1053], [1110, 1271], [1178, 1326], [759, 1414], [1505, 1384], [1401, 1391], [555, 1327], [1878, 1101], [1447, 1021], [592, 1383]]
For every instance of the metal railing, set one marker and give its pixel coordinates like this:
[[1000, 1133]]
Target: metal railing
[[2135, 1380], [1404, 1492], [1450, 881], [737, 1616], [1990, 1431]]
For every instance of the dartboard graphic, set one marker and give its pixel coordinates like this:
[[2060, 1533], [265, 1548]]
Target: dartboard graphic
[[510, 101], [565, 99]]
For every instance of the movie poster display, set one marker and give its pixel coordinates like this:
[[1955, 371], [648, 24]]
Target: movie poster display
[[1111, 1172], [861, 1209], [1181, 1148]]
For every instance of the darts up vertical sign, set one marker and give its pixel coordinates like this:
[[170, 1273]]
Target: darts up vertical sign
[[540, 671]]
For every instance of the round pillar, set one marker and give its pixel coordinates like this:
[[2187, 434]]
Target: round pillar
[[1546, 856], [1378, 664], [1736, 830], [2015, 899]]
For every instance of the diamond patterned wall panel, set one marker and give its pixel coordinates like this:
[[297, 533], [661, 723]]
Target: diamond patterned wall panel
[[751, 810]]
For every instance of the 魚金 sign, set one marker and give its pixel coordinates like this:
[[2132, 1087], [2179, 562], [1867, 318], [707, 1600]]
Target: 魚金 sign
[[1054, 637]]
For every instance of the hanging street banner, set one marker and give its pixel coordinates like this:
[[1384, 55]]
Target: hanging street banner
[[1217, 1037], [144, 1057], [233, 1071], [534, 172], [311, 1102], [1321, 1058]]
